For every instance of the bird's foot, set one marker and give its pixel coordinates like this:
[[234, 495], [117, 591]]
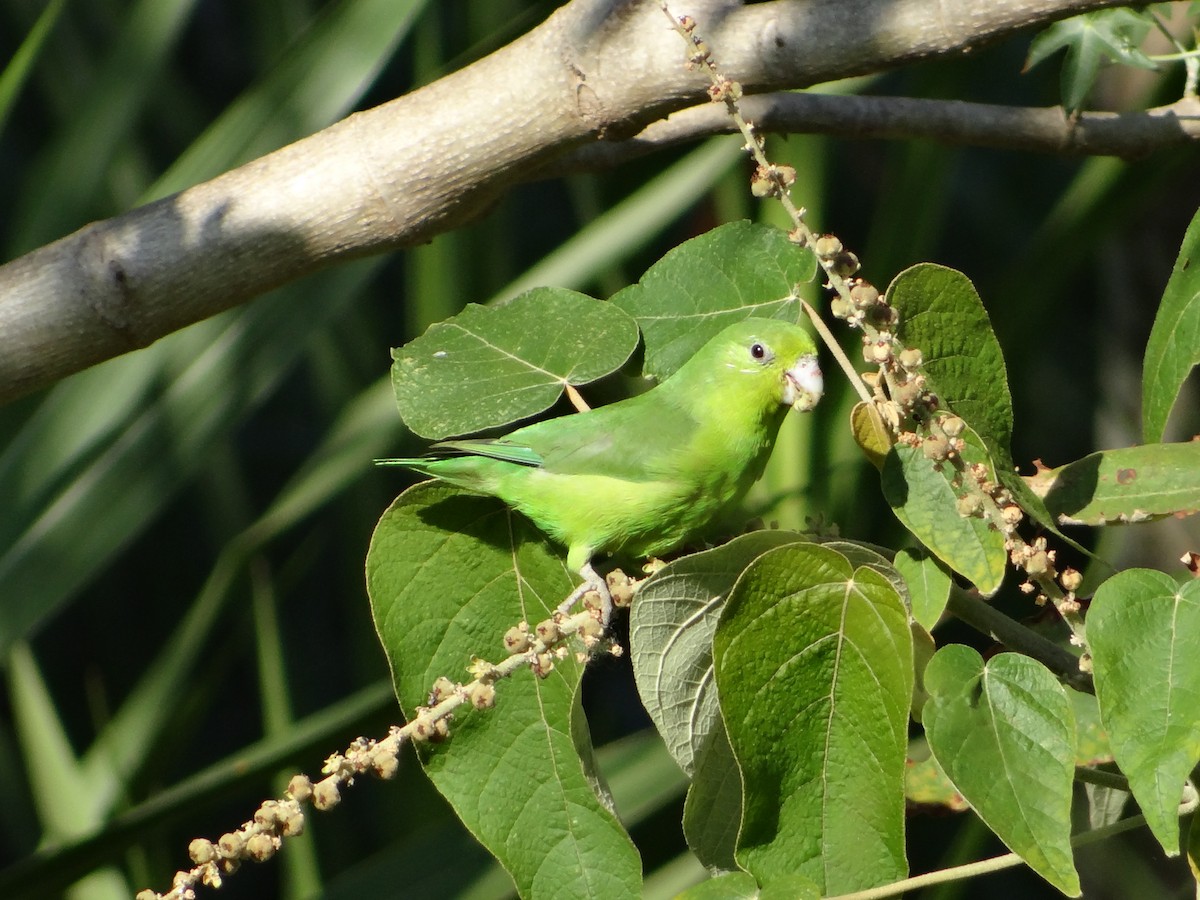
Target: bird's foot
[[592, 583]]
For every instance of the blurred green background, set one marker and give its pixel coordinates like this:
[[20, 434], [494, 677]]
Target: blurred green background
[[182, 530]]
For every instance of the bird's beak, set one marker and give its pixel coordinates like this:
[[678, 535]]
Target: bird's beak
[[803, 384]]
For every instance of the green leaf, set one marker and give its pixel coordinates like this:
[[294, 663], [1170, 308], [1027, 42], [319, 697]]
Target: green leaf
[[928, 585], [870, 433], [814, 671], [1135, 484], [670, 637], [730, 886], [671, 628], [712, 812], [942, 316], [1005, 735], [860, 554], [448, 573], [723, 276], [925, 784], [1113, 35], [491, 366], [1091, 740], [922, 495], [1143, 630], [1174, 345]]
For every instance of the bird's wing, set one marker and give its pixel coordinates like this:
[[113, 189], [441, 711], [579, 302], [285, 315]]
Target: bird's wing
[[634, 440]]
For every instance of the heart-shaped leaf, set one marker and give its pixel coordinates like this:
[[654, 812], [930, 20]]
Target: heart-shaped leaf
[[1004, 733], [1143, 630], [721, 277], [489, 366], [670, 636], [814, 670], [448, 573]]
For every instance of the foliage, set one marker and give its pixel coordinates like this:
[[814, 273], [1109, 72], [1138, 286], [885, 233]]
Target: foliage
[[181, 608]]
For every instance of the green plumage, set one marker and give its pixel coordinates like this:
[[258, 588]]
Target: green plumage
[[646, 475]]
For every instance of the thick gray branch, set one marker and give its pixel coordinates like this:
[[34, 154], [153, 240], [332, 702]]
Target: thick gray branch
[[393, 176]]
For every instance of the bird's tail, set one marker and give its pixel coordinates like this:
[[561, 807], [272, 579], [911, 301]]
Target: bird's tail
[[465, 472]]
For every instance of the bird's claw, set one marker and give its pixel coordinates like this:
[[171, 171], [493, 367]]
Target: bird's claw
[[592, 584]]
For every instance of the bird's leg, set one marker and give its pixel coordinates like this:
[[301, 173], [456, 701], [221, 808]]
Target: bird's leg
[[592, 581]]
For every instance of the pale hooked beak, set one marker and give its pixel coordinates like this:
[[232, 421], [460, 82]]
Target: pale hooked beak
[[803, 384]]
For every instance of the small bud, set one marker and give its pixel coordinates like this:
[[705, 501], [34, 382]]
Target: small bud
[[841, 308], [591, 628], [1011, 514], [516, 640], [762, 184], [726, 89], [202, 851], [952, 425], [968, 505], [909, 393], [864, 295], [384, 764], [326, 794], [265, 814], [827, 246], [935, 448], [300, 788], [1071, 579], [883, 316], [148, 895], [547, 631], [1038, 563], [621, 588], [443, 687], [291, 819], [483, 696], [232, 844], [845, 264], [911, 358], [261, 847]]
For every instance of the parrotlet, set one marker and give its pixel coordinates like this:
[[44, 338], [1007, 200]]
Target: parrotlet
[[646, 475]]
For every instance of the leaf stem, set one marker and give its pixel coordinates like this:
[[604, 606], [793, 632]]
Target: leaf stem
[[836, 349], [986, 866]]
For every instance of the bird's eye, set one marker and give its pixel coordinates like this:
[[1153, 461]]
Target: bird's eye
[[758, 351]]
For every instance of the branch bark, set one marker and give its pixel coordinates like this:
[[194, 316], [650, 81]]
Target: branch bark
[[596, 71]]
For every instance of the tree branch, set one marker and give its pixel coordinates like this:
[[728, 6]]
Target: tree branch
[[990, 621], [1129, 135], [396, 175]]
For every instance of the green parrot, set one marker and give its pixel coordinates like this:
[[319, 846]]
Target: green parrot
[[648, 474]]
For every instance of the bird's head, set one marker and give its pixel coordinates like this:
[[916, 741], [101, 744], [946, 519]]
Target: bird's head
[[776, 358]]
